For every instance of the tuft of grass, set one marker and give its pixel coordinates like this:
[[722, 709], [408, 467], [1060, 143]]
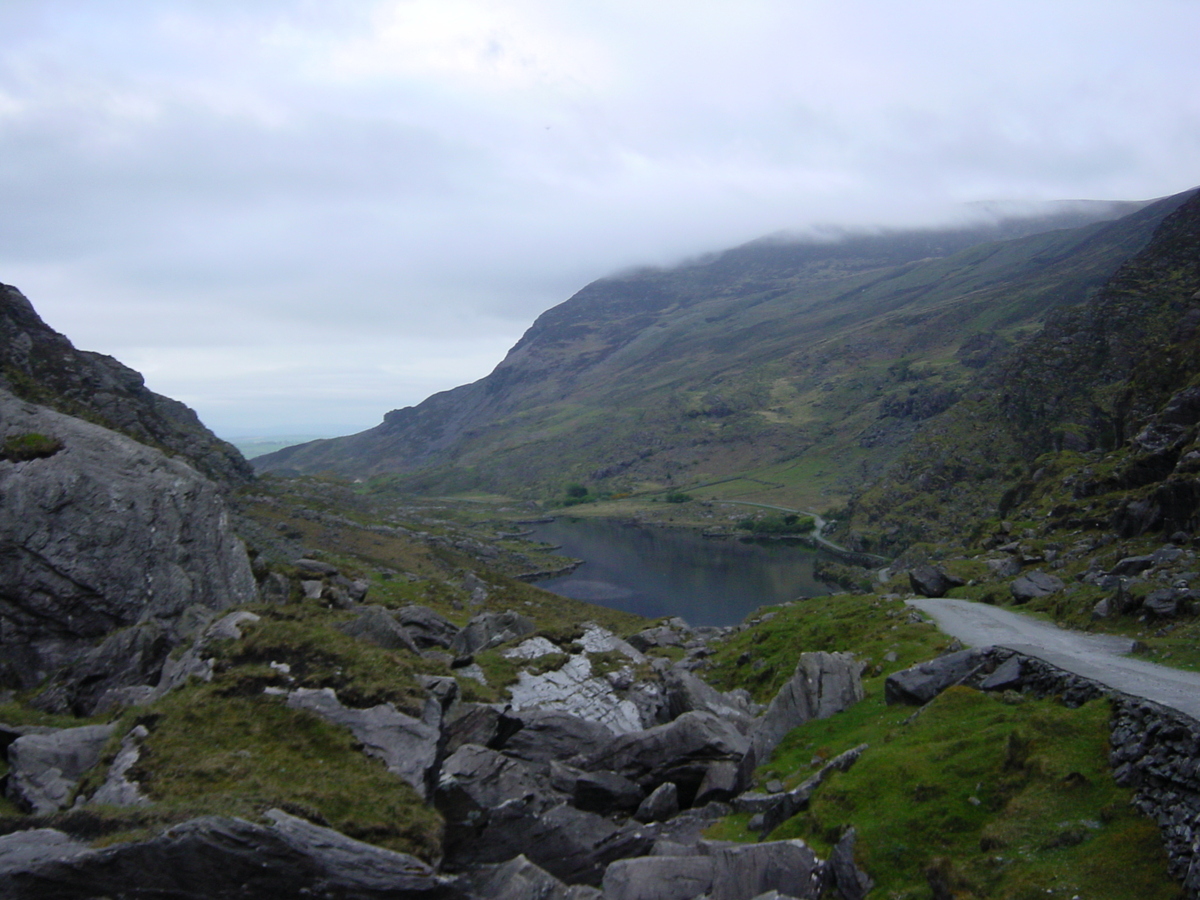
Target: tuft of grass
[[22, 447]]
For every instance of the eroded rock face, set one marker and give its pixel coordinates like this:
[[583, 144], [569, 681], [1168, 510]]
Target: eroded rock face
[[105, 534], [44, 768]]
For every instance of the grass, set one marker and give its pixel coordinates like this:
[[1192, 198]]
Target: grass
[[242, 755], [1006, 797]]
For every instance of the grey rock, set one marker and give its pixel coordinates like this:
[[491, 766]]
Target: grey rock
[[929, 581], [105, 534], [791, 802], [823, 684], [230, 627], [662, 804], [45, 768], [375, 625], [488, 630], [686, 692], [606, 793], [1132, 565], [543, 734], [312, 589], [496, 807], [407, 746], [843, 873], [575, 689], [315, 567], [919, 684], [476, 723], [1035, 584], [118, 789], [25, 850], [1103, 608], [428, 628], [1167, 603], [720, 784], [747, 871], [1009, 567], [215, 858], [517, 879], [1008, 676], [659, 636], [680, 751], [658, 878]]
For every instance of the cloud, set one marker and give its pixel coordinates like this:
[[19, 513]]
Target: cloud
[[212, 187]]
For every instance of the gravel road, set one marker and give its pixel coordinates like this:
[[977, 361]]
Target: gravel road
[[1102, 658]]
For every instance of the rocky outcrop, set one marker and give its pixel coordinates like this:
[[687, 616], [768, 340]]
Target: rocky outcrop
[[823, 684], [105, 540], [919, 684], [217, 858], [929, 581], [41, 365], [407, 746], [44, 769]]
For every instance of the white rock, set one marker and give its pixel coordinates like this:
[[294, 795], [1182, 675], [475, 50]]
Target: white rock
[[574, 689], [533, 648]]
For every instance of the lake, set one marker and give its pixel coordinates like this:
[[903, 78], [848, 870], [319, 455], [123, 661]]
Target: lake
[[676, 572]]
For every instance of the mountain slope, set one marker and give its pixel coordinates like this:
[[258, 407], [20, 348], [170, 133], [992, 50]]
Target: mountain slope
[[1102, 399], [42, 366], [774, 357]]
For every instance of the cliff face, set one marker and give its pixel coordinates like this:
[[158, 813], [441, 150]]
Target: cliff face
[[40, 365], [101, 535]]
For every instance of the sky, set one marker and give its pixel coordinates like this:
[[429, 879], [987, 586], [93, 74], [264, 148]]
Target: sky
[[296, 215]]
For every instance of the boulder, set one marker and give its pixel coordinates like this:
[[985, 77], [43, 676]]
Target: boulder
[[778, 808], [1035, 584], [376, 625], [842, 872], [1167, 603], [407, 746], [427, 628], [1009, 567], [662, 804], [574, 689], [520, 879], [658, 878], [722, 780], [488, 630], [545, 734], [104, 534], [605, 793], [746, 871], [823, 684], [1132, 565], [919, 684], [315, 567], [659, 636], [1008, 676], [215, 857], [23, 851], [496, 808], [45, 768], [476, 723], [929, 581], [680, 752], [686, 692], [118, 789]]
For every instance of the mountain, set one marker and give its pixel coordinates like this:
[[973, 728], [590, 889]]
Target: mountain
[[42, 366], [1103, 398], [808, 365]]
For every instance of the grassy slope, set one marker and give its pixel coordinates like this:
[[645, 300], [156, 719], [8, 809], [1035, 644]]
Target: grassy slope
[[766, 360], [999, 797]]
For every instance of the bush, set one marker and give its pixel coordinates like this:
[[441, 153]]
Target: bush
[[677, 497]]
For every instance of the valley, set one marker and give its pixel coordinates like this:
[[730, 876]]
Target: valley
[[341, 675]]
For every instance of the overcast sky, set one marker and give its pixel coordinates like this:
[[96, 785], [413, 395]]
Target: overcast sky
[[295, 215]]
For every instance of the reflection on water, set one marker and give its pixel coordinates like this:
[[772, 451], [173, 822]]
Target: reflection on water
[[667, 572]]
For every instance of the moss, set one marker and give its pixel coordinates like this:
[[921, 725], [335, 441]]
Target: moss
[[22, 447]]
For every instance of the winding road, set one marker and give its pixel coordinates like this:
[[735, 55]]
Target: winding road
[[1101, 658]]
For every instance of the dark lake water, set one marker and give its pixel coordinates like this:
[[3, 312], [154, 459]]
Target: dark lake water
[[675, 572]]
